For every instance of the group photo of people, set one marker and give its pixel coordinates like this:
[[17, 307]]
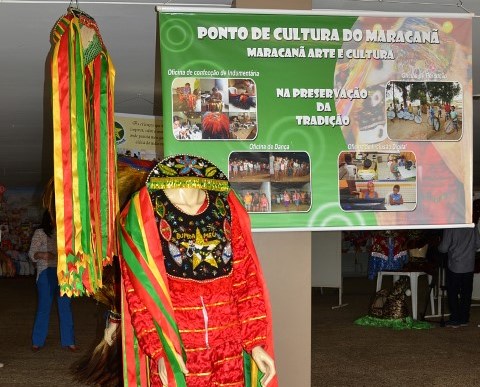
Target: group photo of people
[[428, 111], [287, 167], [187, 127], [291, 197], [249, 166], [377, 181], [281, 178], [256, 200], [214, 109]]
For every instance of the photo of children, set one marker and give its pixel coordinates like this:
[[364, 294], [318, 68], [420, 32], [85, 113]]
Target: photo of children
[[395, 198], [377, 166], [254, 196], [422, 111], [291, 197], [377, 181], [252, 175], [221, 109]]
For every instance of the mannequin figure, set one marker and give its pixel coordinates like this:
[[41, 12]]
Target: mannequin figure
[[188, 238]]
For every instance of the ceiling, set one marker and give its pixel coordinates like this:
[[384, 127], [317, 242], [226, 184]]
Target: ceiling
[[129, 31]]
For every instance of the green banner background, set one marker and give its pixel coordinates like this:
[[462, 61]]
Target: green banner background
[[182, 51]]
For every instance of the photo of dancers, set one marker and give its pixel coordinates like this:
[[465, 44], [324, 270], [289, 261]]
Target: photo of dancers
[[253, 176], [288, 167], [248, 166], [289, 197], [254, 196], [221, 109]]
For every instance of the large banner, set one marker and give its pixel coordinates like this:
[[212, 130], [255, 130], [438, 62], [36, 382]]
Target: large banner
[[326, 121]]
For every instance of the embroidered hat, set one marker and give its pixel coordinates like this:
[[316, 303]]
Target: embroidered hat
[[187, 171]]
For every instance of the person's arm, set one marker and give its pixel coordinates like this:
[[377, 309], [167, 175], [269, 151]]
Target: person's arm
[[477, 238], [37, 251], [400, 201], [390, 200], [445, 242], [251, 298], [342, 173]]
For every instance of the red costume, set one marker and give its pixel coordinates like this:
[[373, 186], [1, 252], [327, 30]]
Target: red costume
[[211, 303]]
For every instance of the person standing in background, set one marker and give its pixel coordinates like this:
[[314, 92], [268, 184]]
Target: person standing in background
[[448, 109], [461, 245], [43, 251]]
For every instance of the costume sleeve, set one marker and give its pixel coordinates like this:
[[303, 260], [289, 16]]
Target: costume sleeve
[[145, 273], [141, 319], [248, 286]]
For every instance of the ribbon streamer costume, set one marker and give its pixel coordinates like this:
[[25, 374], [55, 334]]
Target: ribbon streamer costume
[[86, 198], [192, 284]]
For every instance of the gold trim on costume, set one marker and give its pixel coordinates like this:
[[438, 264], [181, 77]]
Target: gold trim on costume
[[188, 182], [254, 318], [138, 310], [240, 283], [200, 281], [143, 332], [258, 338], [229, 384], [195, 349], [227, 359], [199, 374], [249, 297], [220, 303], [209, 328]]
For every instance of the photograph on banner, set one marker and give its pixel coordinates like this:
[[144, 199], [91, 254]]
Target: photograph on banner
[[424, 111], [378, 195], [291, 196], [377, 166], [271, 181], [214, 109], [139, 136], [377, 181], [274, 197], [255, 196]]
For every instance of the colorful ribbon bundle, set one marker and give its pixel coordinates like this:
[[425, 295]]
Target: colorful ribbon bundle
[[84, 153]]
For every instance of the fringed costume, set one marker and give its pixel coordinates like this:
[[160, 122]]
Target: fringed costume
[[192, 284], [84, 153]]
